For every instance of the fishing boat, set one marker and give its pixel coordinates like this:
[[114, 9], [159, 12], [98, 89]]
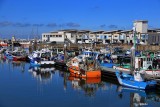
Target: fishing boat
[[136, 79], [130, 81], [118, 51], [60, 61], [19, 56], [43, 58], [15, 54], [86, 69], [105, 60], [147, 63], [2, 43], [123, 63]]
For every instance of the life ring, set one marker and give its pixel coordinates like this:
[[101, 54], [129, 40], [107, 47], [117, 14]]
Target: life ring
[[43, 55]]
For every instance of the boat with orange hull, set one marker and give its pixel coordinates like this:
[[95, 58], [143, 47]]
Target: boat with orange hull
[[76, 72], [86, 68]]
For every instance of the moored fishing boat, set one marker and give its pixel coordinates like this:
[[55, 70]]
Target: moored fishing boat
[[105, 62], [2, 43], [60, 61], [148, 63], [85, 69], [136, 79], [130, 81], [123, 63], [19, 56], [42, 58]]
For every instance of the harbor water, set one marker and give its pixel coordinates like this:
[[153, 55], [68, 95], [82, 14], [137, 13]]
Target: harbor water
[[23, 86]]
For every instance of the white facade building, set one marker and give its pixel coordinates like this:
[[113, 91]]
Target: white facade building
[[105, 37], [53, 36]]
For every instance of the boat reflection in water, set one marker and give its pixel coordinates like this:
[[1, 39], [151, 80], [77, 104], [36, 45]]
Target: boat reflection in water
[[44, 75], [19, 64], [88, 85], [139, 97], [2, 60]]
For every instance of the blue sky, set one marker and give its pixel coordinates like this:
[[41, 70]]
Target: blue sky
[[24, 18]]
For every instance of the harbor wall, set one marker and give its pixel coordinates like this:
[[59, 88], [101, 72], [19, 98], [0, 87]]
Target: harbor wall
[[97, 47]]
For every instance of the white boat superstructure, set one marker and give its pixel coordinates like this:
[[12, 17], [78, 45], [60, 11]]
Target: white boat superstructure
[[43, 57]]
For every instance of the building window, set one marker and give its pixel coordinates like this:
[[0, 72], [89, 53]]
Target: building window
[[51, 35], [115, 36], [44, 35], [56, 35], [60, 35]]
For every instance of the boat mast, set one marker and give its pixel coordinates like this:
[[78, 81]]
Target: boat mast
[[133, 48]]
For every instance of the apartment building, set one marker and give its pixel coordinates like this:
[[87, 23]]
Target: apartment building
[[105, 37]]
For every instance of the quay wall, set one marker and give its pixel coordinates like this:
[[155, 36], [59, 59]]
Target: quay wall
[[97, 47]]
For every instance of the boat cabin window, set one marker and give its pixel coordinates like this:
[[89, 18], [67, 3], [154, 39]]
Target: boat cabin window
[[80, 57], [144, 59], [44, 55], [125, 60]]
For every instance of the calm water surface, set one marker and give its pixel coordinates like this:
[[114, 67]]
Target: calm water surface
[[22, 86]]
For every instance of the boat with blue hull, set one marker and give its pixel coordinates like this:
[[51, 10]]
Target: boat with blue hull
[[33, 64], [106, 63], [137, 78], [129, 81]]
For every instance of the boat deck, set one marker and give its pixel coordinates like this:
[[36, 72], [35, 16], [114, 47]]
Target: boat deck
[[111, 71]]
